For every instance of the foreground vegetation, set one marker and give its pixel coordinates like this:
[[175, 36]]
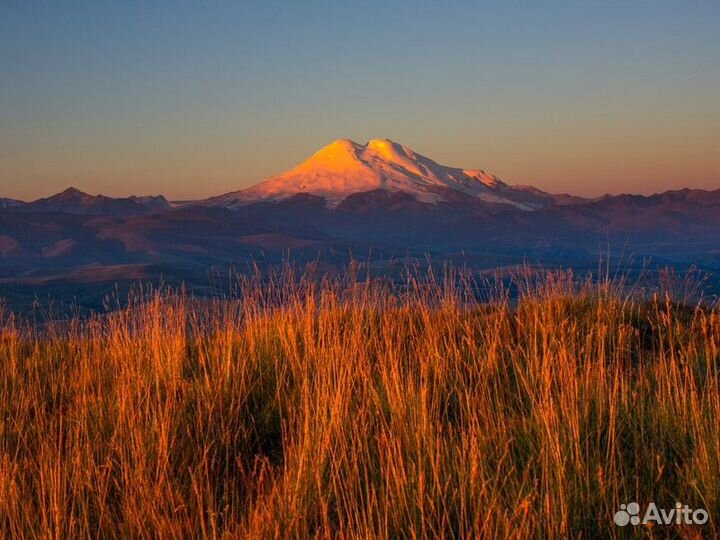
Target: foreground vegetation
[[338, 409]]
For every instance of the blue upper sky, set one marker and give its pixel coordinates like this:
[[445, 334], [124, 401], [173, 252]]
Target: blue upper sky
[[191, 99]]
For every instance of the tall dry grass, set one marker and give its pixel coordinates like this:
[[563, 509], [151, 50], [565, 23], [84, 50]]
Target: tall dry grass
[[340, 409]]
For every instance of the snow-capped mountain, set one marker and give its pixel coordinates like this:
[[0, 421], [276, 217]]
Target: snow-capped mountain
[[344, 168]]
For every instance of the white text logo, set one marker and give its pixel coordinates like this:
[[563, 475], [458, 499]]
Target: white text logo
[[682, 514]]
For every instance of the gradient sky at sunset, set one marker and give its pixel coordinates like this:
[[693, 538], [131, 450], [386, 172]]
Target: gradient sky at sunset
[[192, 99]]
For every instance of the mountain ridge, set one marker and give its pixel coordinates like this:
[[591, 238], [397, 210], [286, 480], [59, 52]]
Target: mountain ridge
[[74, 201]]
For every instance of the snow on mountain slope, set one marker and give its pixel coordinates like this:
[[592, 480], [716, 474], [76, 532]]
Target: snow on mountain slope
[[344, 168]]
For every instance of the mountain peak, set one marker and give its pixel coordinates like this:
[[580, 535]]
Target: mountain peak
[[72, 194], [346, 150], [348, 144], [72, 191], [338, 156], [383, 143], [344, 167], [389, 150]]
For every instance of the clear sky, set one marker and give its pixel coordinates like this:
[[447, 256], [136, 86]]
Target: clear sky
[[192, 99]]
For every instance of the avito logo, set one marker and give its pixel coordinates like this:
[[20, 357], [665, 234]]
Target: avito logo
[[629, 514]]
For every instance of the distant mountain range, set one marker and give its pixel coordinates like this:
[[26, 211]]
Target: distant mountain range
[[379, 199], [74, 201]]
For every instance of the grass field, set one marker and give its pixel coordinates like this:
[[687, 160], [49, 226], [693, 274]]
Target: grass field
[[346, 409]]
